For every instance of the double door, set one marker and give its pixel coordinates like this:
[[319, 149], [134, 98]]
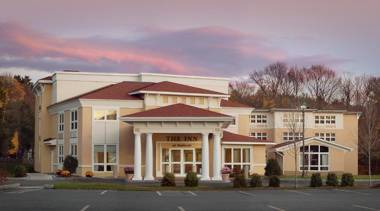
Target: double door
[[179, 161]]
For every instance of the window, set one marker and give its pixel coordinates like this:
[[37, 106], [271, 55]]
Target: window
[[325, 120], [292, 118], [109, 114], [192, 100], [237, 157], [290, 136], [74, 120], [104, 157], [61, 122], [201, 101], [316, 158], [74, 150], [259, 118], [260, 135], [165, 99], [326, 136], [60, 153]]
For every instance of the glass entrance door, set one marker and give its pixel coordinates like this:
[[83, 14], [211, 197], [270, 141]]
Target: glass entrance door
[[179, 161]]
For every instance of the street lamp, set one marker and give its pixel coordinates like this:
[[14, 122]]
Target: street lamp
[[303, 108]]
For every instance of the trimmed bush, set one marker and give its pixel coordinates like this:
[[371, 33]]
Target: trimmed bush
[[168, 180], [332, 180], [272, 168], [274, 181], [239, 180], [70, 164], [19, 171], [316, 180], [256, 181], [191, 179], [347, 180]]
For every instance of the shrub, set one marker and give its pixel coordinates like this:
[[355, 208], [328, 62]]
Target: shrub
[[332, 179], [168, 180], [347, 180], [19, 171], [70, 164], [89, 174], [256, 181], [226, 170], [239, 180], [273, 168], [316, 180], [129, 170], [3, 176], [274, 181], [191, 179], [65, 173], [29, 168]]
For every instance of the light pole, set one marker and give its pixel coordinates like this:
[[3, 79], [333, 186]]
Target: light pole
[[303, 107]]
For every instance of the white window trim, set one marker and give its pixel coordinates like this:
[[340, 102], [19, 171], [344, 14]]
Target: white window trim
[[105, 114], [260, 135], [291, 137], [61, 114], [319, 153], [262, 118], [59, 154], [324, 117], [241, 164], [326, 135], [182, 162], [70, 149], [105, 158], [73, 121]]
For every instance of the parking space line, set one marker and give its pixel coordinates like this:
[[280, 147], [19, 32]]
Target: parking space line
[[159, 193], [192, 193], [181, 209], [275, 208], [246, 193], [103, 192], [351, 191], [85, 207], [24, 191], [299, 192], [364, 207]]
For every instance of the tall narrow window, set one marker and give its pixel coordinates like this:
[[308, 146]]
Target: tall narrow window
[[61, 122], [60, 153], [74, 149], [74, 120], [237, 157]]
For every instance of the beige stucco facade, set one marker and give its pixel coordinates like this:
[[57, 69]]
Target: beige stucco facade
[[178, 138]]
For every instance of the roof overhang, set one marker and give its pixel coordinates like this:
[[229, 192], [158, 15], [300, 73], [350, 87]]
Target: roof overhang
[[180, 93], [246, 143], [177, 119], [308, 140]]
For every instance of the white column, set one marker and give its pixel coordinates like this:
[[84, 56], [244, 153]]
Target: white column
[[217, 155], [205, 156], [137, 158], [149, 158]]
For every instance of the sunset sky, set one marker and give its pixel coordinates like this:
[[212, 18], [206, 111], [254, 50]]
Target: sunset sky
[[208, 37]]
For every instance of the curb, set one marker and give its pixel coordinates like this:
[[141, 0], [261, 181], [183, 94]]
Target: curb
[[10, 186]]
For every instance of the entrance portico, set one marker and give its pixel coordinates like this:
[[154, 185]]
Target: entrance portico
[[165, 125]]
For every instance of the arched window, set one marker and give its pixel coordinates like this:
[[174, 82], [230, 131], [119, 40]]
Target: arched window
[[316, 158]]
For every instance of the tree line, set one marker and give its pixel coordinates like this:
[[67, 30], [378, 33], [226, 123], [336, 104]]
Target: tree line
[[320, 87]]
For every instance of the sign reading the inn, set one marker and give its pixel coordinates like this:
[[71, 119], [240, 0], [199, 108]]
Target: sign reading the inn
[[181, 138]]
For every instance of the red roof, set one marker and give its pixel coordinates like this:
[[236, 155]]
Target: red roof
[[167, 86], [230, 103], [177, 110], [233, 137]]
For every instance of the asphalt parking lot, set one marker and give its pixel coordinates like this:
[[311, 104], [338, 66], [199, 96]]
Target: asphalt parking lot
[[280, 200]]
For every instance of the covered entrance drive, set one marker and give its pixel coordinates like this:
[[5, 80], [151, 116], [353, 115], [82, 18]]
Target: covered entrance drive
[[178, 152]]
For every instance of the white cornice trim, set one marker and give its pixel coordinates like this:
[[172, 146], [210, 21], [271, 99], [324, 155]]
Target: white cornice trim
[[177, 119], [246, 143], [299, 143], [180, 93]]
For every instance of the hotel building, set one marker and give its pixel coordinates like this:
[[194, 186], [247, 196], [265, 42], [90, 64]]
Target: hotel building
[[161, 123]]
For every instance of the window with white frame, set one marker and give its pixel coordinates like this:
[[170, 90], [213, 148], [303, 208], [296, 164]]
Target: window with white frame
[[61, 122], [290, 136], [60, 153], [237, 157], [104, 157], [260, 135], [105, 114], [74, 120], [316, 158], [259, 118], [74, 149], [292, 118], [325, 120], [326, 136]]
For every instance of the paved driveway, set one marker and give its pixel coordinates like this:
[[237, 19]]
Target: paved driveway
[[82, 200]]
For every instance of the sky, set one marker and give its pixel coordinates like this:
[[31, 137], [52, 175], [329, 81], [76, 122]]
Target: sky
[[226, 38]]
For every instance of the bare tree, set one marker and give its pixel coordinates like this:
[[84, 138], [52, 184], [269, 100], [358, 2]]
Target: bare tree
[[322, 84], [347, 90]]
